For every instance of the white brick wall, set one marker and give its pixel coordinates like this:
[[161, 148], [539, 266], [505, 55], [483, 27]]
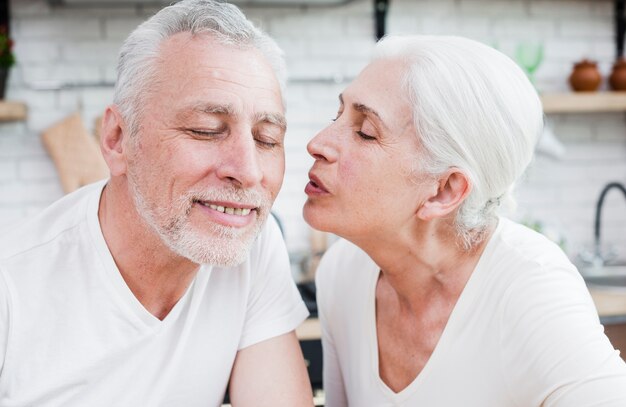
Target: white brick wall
[[79, 47]]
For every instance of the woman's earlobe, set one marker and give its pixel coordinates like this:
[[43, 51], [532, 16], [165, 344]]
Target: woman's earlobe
[[453, 189]]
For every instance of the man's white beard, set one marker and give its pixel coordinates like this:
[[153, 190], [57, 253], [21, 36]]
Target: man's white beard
[[218, 245]]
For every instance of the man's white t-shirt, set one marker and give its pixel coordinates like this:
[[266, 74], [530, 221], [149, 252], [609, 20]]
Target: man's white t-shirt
[[523, 333], [73, 334]]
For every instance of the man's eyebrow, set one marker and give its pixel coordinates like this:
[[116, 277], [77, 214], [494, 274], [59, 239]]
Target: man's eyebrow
[[273, 118], [361, 108], [209, 108], [276, 119]]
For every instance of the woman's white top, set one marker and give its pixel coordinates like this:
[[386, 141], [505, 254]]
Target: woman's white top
[[524, 332]]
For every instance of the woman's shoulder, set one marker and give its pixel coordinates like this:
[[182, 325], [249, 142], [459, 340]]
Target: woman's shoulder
[[538, 272], [520, 245], [345, 281], [523, 266], [342, 265]]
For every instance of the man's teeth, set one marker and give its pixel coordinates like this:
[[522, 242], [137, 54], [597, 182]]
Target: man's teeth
[[230, 211]]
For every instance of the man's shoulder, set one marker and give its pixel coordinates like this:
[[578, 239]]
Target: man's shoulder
[[48, 225]]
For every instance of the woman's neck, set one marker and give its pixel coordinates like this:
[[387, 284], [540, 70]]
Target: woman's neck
[[427, 264]]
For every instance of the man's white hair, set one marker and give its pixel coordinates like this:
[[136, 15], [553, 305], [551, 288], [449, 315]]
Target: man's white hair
[[473, 109], [139, 53]]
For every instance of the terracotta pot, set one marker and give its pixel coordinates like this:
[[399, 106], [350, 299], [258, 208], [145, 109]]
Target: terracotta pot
[[585, 77], [617, 80]]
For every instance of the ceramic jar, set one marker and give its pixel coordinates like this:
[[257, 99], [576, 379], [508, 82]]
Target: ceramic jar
[[585, 77], [617, 80]]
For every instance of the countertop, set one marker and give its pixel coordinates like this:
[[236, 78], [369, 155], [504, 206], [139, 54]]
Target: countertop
[[611, 304]]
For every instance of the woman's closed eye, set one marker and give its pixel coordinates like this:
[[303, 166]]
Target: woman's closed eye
[[367, 130], [365, 136], [337, 116]]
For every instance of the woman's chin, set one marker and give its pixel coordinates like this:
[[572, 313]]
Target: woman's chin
[[314, 217], [308, 213]]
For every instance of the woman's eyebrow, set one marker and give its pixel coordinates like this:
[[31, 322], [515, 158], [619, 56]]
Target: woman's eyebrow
[[361, 108]]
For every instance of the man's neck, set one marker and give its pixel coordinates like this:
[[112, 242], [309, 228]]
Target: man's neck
[[157, 277]]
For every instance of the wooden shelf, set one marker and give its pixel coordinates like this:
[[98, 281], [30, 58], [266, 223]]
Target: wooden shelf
[[12, 111], [582, 102]]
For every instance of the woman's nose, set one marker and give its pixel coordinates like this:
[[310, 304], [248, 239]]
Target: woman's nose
[[321, 147]]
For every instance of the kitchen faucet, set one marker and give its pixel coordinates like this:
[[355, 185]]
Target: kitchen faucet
[[598, 259]]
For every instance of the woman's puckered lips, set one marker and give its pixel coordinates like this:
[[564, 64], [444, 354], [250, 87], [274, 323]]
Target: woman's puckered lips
[[316, 182]]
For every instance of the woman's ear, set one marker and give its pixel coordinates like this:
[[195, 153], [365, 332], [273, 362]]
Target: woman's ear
[[453, 187], [112, 145]]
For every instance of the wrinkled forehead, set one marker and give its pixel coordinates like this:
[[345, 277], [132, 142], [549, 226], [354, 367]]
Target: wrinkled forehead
[[198, 65], [382, 87], [185, 57]]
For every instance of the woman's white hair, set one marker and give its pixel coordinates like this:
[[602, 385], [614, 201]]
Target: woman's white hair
[[225, 22], [474, 109]]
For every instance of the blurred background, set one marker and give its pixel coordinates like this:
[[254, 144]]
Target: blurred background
[[65, 53]]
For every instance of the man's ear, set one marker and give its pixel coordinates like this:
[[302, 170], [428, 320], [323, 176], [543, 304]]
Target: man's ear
[[112, 140], [453, 187]]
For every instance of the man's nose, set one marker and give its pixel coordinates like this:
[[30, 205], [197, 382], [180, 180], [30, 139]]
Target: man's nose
[[240, 161]]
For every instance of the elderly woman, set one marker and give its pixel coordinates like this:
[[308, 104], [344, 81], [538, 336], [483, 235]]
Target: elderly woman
[[433, 299]]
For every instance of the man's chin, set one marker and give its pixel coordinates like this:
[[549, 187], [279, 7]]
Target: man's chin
[[220, 258], [227, 248]]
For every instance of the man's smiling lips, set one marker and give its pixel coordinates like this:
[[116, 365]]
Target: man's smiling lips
[[228, 213]]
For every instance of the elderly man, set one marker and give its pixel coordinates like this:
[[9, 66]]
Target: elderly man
[[164, 284]]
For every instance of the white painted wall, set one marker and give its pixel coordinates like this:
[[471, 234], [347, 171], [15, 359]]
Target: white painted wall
[[77, 48]]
